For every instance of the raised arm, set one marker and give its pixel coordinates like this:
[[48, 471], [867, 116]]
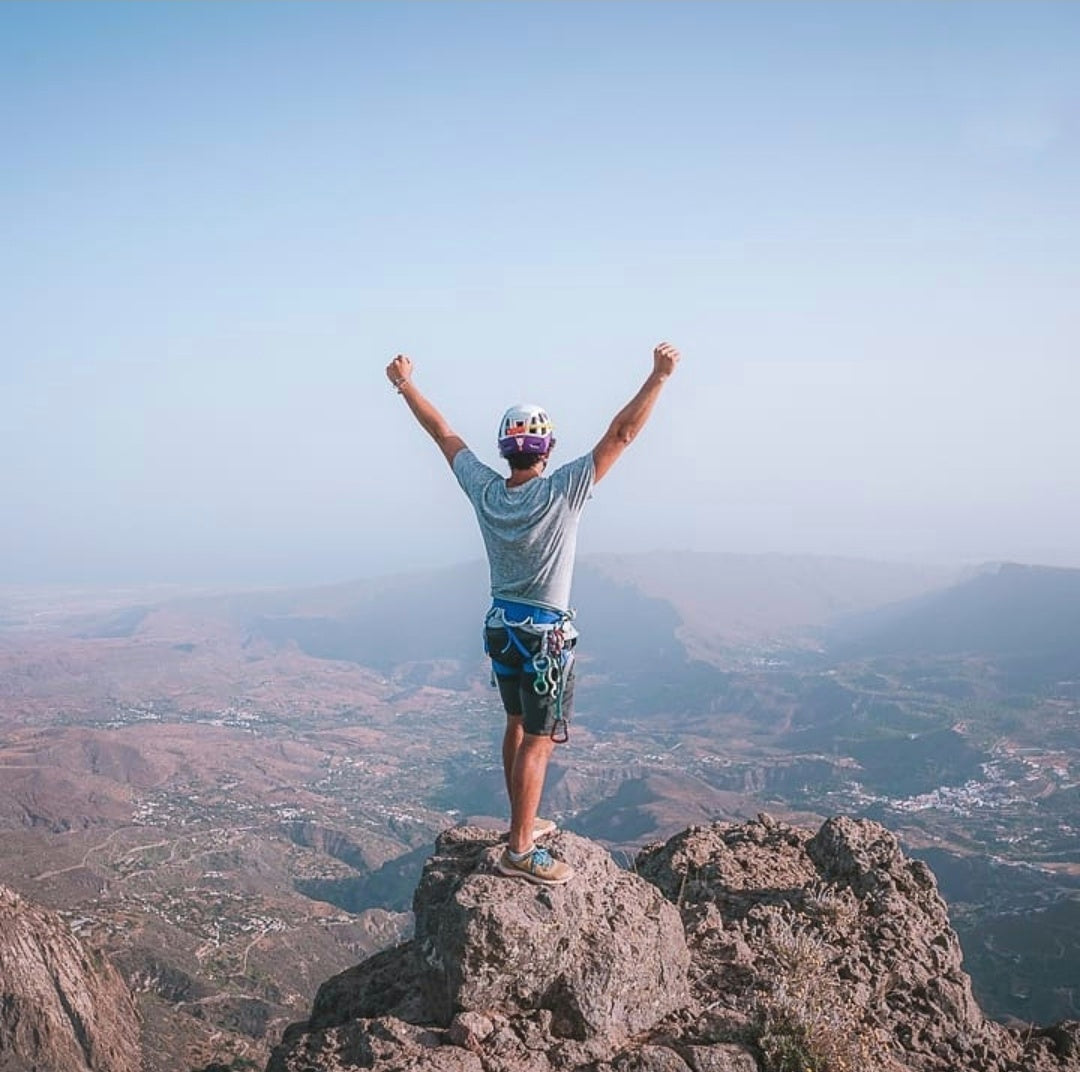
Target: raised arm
[[399, 373], [632, 417]]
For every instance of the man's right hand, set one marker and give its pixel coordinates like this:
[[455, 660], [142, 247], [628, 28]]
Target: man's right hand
[[665, 358], [399, 370]]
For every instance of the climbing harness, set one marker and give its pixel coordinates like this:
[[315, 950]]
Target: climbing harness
[[554, 637]]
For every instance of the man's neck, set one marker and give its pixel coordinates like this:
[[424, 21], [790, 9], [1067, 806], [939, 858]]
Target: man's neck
[[518, 477]]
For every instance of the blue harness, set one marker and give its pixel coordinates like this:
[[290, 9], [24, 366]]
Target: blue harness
[[524, 614], [547, 664]]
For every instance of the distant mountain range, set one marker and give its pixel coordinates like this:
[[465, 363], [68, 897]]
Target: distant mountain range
[[650, 613], [1027, 618], [632, 608]]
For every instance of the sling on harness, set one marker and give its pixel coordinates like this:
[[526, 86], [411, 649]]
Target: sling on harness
[[545, 631]]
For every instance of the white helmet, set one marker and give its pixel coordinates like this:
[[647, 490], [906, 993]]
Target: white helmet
[[525, 429]]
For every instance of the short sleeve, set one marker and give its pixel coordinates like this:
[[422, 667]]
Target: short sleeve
[[575, 481], [472, 474]]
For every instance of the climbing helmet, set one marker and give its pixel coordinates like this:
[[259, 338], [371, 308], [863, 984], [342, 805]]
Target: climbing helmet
[[525, 429]]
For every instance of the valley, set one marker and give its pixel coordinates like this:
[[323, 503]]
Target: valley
[[233, 795]]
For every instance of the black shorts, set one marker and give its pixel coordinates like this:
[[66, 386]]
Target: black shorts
[[539, 712]]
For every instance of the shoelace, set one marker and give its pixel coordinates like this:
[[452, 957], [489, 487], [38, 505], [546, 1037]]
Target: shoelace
[[540, 858]]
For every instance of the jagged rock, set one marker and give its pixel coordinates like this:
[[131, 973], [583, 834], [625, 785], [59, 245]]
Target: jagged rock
[[1060, 1042], [650, 1059], [574, 969], [387, 984], [840, 945], [605, 953], [386, 1043], [723, 1057], [827, 951], [469, 1029], [62, 1006]]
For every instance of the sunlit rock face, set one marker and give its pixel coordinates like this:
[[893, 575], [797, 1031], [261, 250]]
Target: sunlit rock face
[[63, 1007]]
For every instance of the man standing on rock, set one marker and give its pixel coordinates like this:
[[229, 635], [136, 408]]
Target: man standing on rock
[[529, 523]]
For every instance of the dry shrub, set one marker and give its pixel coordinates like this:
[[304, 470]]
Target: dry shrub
[[804, 1018]]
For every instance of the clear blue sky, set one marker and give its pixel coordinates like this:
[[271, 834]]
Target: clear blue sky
[[860, 222]]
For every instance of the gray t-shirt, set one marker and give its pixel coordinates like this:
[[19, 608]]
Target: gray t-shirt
[[530, 531]]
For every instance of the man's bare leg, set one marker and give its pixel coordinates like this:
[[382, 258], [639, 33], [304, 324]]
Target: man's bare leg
[[527, 786], [511, 743]]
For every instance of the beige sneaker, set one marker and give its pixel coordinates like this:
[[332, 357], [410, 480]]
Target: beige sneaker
[[539, 867]]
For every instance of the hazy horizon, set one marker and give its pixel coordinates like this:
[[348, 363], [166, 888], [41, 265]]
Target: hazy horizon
[[133, 587], [859, 223]]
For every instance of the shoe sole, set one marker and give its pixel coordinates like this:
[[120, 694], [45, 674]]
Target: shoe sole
[[528, 876]]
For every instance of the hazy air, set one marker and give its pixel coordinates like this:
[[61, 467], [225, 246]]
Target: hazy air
[[859, 223]]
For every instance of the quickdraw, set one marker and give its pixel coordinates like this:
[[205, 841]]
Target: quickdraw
[[547, 665]]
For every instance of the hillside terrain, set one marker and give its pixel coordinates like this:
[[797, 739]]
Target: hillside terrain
[[234, 794]]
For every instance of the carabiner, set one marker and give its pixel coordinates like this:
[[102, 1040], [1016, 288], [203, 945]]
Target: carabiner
[[553, 678], [542, 669]]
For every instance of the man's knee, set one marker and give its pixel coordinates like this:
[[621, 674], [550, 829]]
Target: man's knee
[[537, 742]]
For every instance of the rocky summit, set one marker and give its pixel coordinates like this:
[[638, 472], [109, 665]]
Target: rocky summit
[[754, 947]]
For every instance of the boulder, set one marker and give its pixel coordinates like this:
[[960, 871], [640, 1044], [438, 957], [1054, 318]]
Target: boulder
[[529, 977], [840, 946], [605, 953]]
